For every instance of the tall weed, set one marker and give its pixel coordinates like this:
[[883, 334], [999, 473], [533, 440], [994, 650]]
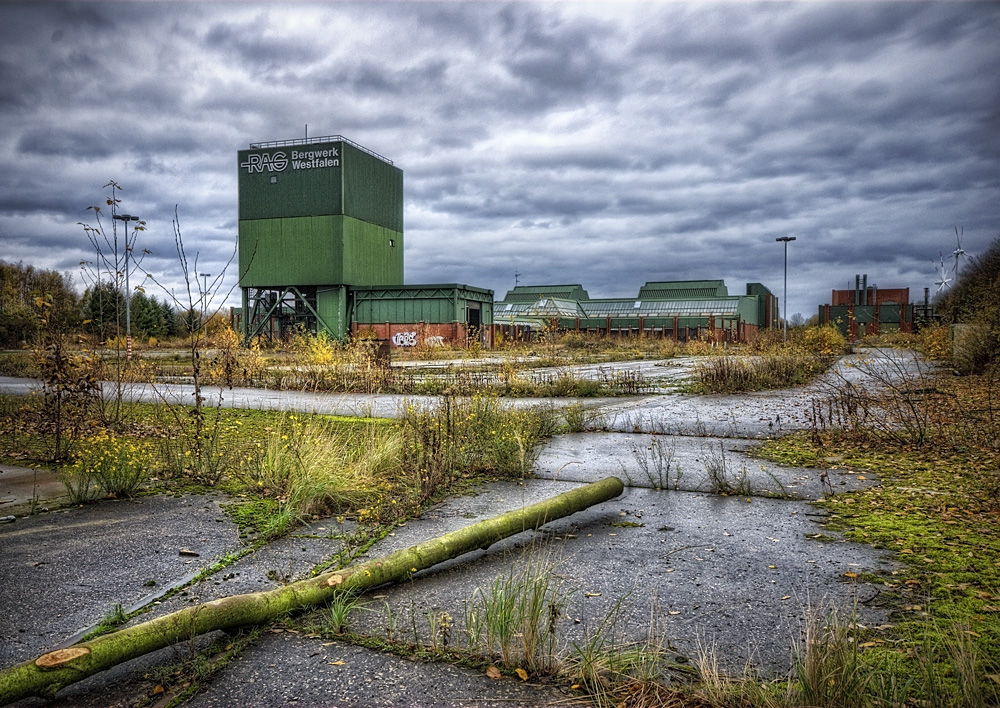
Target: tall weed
[[735, 374], [479, 435], [516, 617], [312, 467], [107, 465]]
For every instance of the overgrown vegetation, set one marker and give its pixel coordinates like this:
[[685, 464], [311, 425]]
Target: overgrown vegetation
[[289, 467], [21, 286], [476, 436], [932, 440], [974, 301], [106, 465], [770, 363]]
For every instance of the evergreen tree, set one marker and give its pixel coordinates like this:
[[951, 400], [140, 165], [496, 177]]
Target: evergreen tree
[[147, 318], [171, 322], [104, 310], [191, 321]]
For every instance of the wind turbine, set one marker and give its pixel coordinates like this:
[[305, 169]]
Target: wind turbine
[[943, 282], [958, 252]]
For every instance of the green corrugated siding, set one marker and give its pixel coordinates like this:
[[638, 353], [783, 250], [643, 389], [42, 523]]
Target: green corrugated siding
[[888, 313], [368, 257], [431, 304], [273, 183], [295, 251], [320, 250], [331, 305], [532, 293], [839, 317], [864, 314], [683, 289], [373, 189], [322, 225], [431, 311], [751, 311], [765, 299]]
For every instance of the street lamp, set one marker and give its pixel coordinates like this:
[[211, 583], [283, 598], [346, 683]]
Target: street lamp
[[128, 293], [784, 297], [204, 299]]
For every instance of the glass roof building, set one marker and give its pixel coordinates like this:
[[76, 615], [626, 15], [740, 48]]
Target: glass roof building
[[681, 310]]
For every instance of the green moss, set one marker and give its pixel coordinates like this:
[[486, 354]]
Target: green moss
[[934, 511]]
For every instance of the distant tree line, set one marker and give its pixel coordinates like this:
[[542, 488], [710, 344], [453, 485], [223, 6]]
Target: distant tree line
[[100, 311]]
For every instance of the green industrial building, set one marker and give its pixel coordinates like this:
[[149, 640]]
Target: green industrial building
[[679, 310], [321, 249]]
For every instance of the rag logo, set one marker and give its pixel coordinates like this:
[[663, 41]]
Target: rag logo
[[272, 162]]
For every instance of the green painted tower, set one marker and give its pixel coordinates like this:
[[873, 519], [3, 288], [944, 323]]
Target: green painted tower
[[317, 217]]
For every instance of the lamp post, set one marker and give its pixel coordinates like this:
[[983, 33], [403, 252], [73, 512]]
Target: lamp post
[[128, 293], [784, 297], [204, 299]]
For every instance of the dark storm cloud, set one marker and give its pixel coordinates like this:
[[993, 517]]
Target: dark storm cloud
[[249, 44], [606, 145]]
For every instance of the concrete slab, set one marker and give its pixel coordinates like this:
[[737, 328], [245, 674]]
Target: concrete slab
[[289, 670], [65, 570], [759, 414], [683, 463], [714, 571], [285, 560], [718, 571]]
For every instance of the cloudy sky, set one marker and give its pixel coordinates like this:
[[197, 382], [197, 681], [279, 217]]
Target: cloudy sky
[[605, 144]]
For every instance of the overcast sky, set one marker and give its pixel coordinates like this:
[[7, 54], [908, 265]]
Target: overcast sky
[[605, 144]]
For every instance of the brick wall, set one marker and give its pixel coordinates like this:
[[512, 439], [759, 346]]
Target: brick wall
[[419, 334]]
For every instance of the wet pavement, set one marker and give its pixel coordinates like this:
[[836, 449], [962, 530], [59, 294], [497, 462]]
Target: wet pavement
[[734, 573], [65, 570], [24, 489], [348, 404], [688, 464]]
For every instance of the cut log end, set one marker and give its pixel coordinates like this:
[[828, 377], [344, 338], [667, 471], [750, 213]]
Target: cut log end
[[60, 657]]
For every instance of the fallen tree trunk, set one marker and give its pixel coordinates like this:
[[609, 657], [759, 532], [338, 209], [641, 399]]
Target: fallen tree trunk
[[50, 672]]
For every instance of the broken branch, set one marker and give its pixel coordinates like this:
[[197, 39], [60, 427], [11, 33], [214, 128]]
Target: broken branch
[[50, 672]]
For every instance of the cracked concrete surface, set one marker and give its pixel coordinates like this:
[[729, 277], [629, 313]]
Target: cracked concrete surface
[[735, 573]]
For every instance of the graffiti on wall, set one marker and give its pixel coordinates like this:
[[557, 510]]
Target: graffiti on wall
[[404, 339]]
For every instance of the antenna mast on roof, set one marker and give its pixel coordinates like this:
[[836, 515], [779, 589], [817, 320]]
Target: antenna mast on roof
[[516, 277]]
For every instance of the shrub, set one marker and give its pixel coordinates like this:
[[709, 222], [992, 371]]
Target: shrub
[[314, 349], [825, 341], [109, 465], [573, 340], [975, 300], [732, 374], [470, 436], [934, 343], [234, 364], [20, 364]]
